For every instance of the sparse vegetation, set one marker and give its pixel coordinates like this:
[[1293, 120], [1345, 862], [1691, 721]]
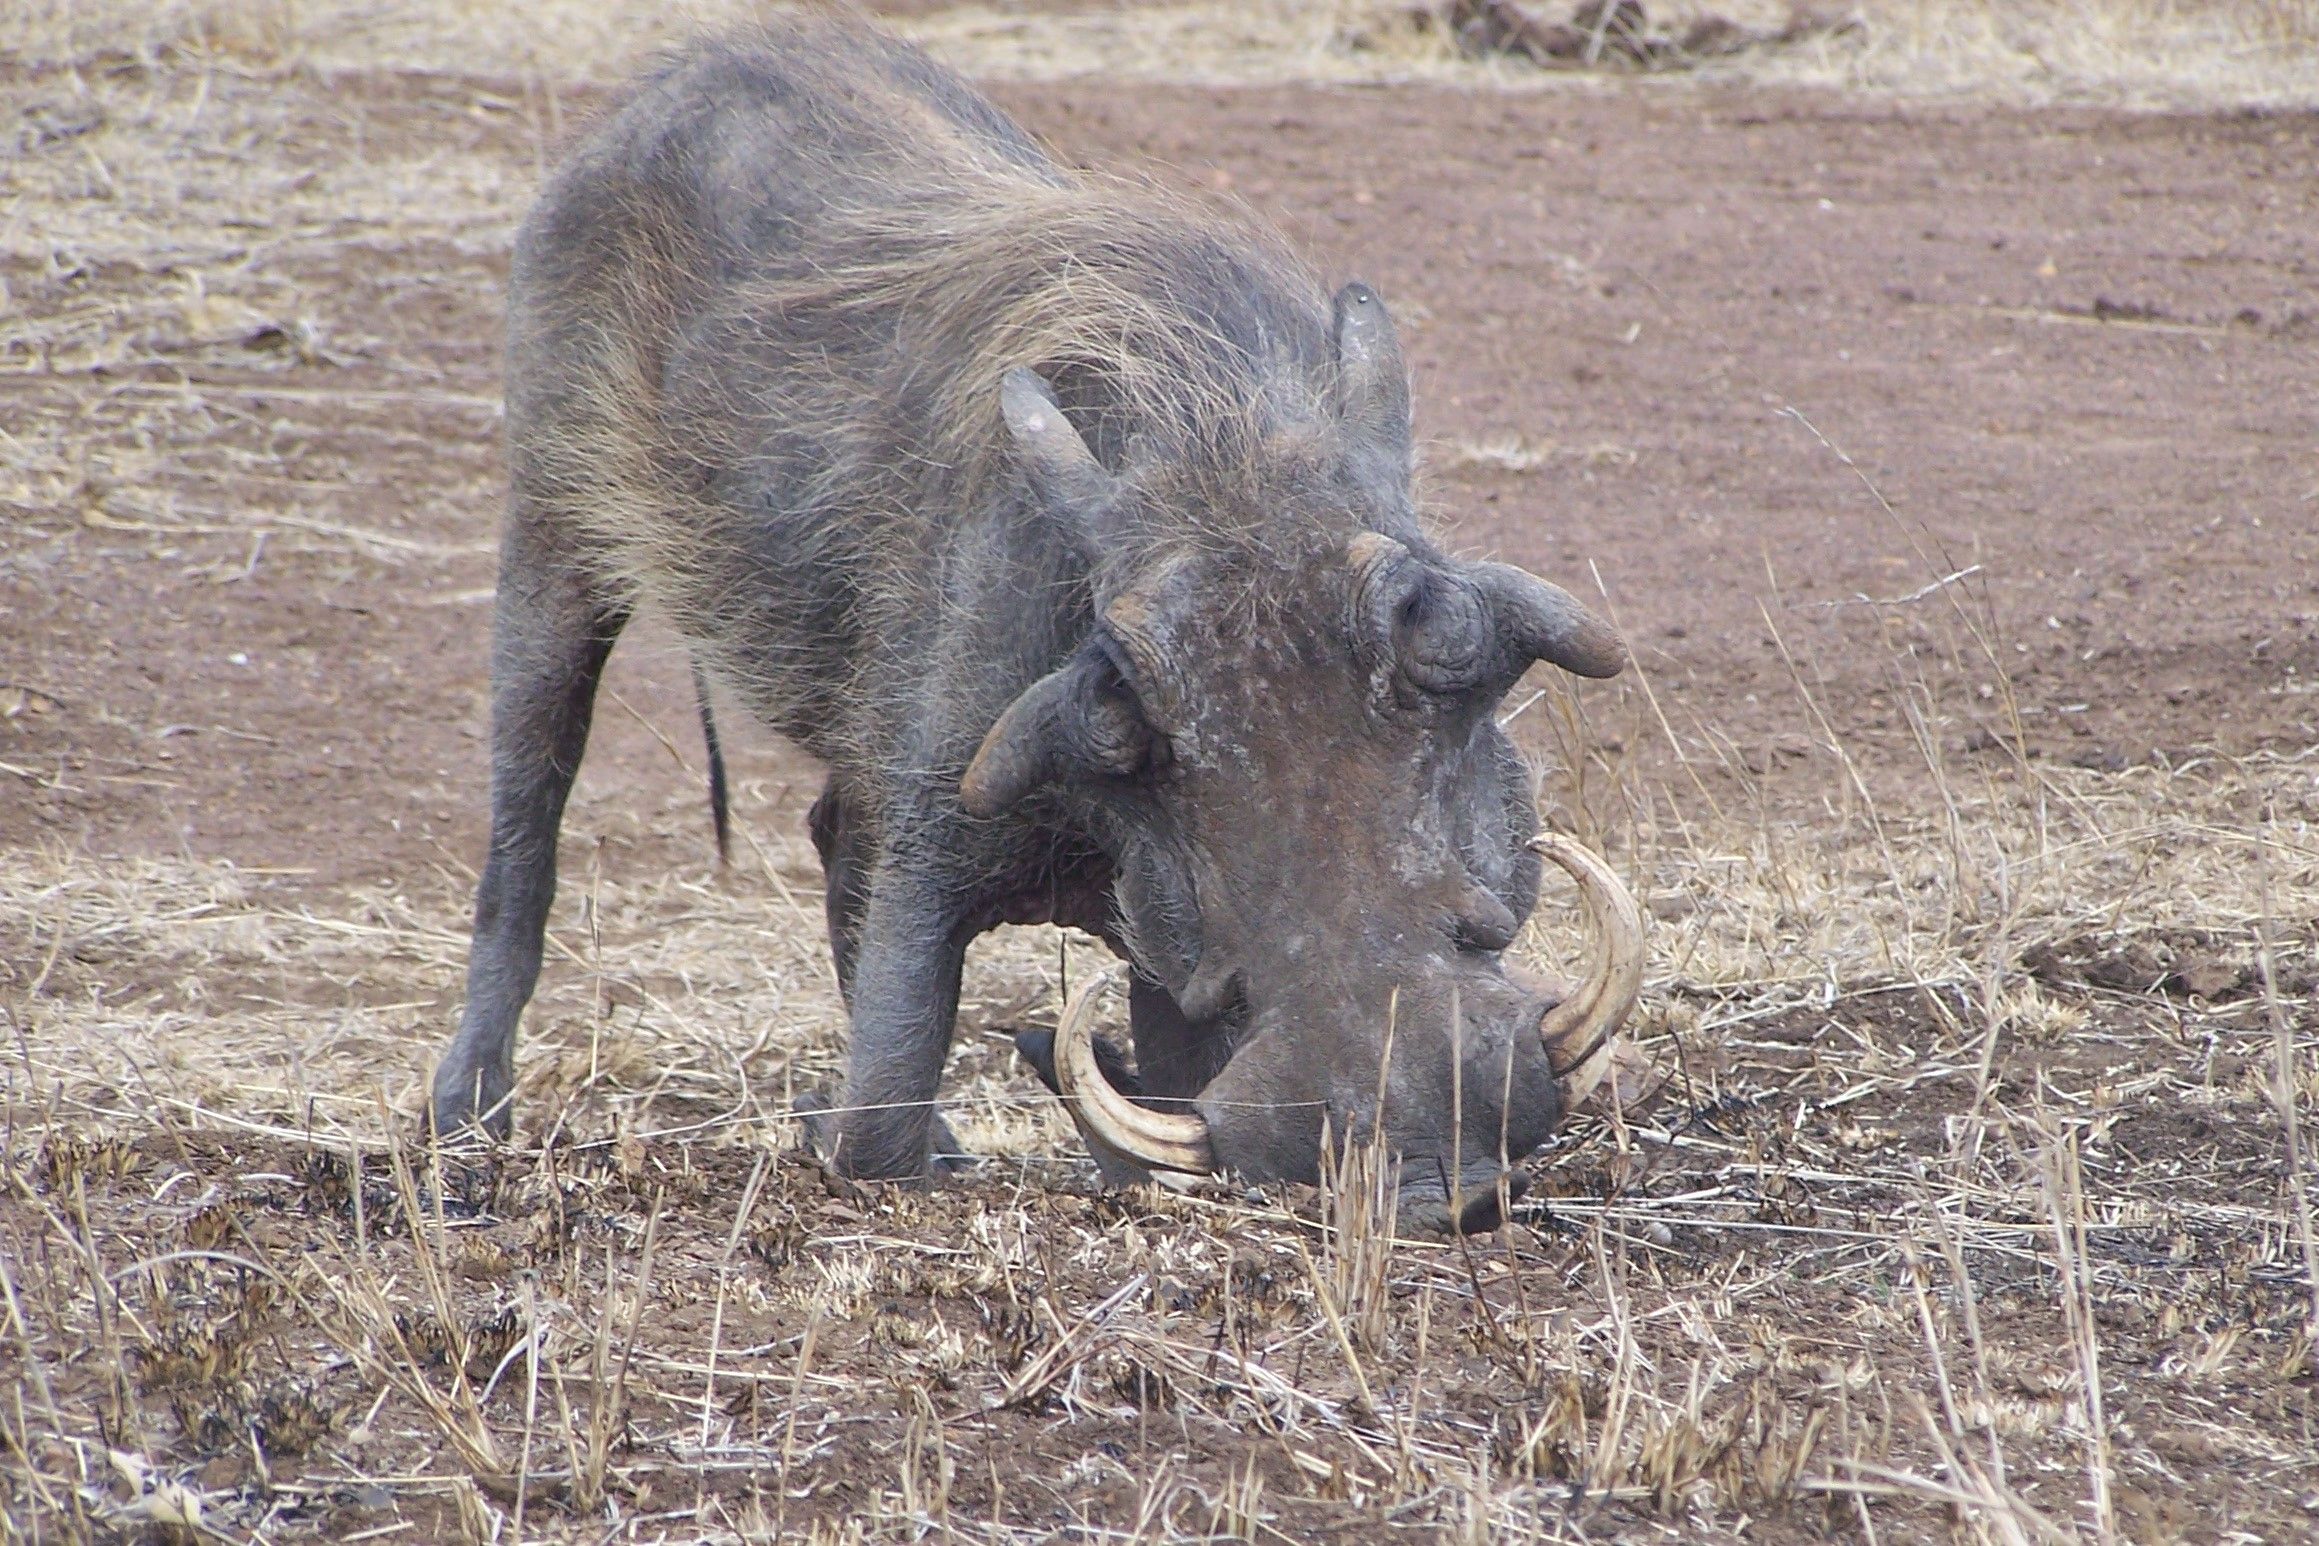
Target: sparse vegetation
[[1769, 1295], [1972, 1197], [2147, 52]]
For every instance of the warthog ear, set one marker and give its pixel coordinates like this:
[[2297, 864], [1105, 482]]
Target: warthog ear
[[1372, 387], [1065, 473]]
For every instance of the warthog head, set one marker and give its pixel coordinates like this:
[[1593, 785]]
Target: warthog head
[[1323, 843]]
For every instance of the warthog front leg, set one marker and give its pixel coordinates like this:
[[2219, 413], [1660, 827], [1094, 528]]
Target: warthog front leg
[[911, 949], [1175, 1057], [550, 639]]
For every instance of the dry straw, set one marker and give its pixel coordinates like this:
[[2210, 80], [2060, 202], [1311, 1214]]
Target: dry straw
[[2152, 53]]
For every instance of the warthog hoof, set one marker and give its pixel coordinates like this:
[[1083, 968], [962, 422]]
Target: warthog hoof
[[471, 1096], [946, 1157]]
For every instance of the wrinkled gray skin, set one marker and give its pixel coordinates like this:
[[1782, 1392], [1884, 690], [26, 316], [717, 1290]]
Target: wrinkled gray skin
[[1206, 723]]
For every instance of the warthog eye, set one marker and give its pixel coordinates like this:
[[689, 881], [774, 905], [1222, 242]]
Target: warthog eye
[[1114, 736], [1441, 634]]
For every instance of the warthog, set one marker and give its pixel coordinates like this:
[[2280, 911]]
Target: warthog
[[1070, 527]]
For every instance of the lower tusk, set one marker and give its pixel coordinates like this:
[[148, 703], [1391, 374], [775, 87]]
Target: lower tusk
[[1581, 1082], [1578, 1030], [1157, 1140]]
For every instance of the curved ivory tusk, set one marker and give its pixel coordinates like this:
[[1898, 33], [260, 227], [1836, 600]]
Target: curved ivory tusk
[[1157, 1140], [1578, 1030]]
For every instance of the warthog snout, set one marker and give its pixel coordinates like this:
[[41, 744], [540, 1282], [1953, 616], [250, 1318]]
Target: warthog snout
[[1455, 1103]]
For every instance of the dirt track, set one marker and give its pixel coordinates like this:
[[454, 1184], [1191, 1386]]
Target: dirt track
[[244, 600]]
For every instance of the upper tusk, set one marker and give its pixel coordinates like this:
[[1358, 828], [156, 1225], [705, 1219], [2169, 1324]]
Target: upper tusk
[[1578, 1030], [1157, 1140]]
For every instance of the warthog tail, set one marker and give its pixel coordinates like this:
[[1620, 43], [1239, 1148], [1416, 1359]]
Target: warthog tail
[[720, 802]]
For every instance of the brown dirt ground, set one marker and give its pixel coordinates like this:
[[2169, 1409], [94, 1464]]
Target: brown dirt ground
[[2075, 351], [1632, 292]]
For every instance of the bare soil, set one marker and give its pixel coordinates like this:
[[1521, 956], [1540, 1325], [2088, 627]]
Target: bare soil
[[2074, 350], [1912, 445]]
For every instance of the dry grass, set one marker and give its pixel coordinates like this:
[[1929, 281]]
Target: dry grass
[[2147, 53], [2143, 53], [1903, 1100], [1968, 1209]]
